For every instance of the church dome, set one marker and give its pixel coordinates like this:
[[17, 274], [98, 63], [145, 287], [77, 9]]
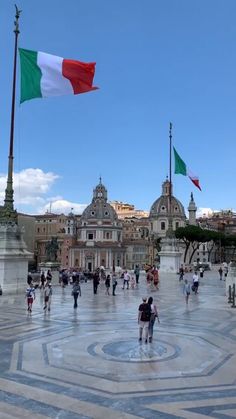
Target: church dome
[[161, 205], [99, 209]]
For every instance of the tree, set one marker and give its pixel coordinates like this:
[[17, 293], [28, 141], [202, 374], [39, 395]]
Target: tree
[[192, 236]]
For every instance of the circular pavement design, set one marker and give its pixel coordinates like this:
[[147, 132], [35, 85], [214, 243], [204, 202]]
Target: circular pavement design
[[132, 351]]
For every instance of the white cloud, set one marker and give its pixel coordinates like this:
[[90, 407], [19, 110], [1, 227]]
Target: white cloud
[[31, 189], [205, 212], [30, 186], [63, 206]]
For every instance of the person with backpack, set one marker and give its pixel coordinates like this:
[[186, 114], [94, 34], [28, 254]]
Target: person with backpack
[[144, 315], [30, 295]]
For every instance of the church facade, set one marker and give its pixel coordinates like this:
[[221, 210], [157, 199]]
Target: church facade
[[160, 211], [99, 235]]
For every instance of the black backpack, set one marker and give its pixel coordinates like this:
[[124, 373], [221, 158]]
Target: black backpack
[[146, 313]]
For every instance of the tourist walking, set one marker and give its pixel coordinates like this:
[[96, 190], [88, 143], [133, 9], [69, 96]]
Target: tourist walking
[[137, 273], [181, 273], [47, 296], [144, 314], [95, 282], [49, 276], [201, 272], [225, 270], [29, 279], [186, 290], [126, 280], [195, 283], [108, 284], [76, 291], [132, 282], [114, 283], [153, 317], [42, 280], [220, 273], [155, 274], [30, 296], [64, 278], [149, 277]]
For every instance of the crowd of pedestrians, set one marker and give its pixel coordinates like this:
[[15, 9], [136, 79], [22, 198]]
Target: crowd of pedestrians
[[74, 277], [107, 282]]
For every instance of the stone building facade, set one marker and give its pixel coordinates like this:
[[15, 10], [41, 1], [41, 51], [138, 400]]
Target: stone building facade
[[136, 236], [99, 235], [62, 227], [125, 210], [159, 216]]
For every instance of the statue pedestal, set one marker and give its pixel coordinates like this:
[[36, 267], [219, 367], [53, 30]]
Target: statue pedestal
[[53, 267], [14, 258], [169, 256]]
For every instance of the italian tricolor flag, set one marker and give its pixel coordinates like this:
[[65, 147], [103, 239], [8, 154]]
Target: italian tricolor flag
[[45, 75], [181, 168]]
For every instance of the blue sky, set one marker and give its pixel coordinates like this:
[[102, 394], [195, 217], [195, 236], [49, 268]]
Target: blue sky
[[157, 61]]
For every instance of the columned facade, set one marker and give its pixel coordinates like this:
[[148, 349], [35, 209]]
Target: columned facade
[[99, 235]]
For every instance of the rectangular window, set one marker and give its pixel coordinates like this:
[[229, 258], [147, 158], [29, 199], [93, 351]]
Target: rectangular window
[[163, 225], [90, 236]]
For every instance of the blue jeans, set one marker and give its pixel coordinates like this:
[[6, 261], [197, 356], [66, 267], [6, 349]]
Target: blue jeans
[[150, 327]]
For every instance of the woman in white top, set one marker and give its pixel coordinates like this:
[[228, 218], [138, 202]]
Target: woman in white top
[[195, 282], [154, 315]]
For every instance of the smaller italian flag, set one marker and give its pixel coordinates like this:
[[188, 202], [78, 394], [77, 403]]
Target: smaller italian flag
[[181, 168], [45, 75]]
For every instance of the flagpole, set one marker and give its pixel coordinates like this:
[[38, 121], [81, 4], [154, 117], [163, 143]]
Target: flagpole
[[170, 179], [10, 213]]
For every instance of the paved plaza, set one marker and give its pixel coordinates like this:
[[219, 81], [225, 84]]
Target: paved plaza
[[88, 363]]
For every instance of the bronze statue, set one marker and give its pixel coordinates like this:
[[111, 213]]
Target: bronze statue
[[51, 250]]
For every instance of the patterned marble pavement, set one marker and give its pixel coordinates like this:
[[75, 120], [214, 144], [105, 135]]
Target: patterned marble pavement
[[88, 363]]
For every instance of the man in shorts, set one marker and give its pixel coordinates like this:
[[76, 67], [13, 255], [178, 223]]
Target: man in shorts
[[30, 295], [144, 315]]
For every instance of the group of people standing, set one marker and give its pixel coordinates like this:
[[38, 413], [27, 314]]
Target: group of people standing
[[47, 294], [152, 276], [108, 280], [187, 287], [147, 315]]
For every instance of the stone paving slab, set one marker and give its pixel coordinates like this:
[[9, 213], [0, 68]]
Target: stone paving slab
[[88, 363]]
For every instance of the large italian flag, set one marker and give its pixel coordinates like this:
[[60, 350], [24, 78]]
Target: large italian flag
[[181, 168], [45, 75]]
